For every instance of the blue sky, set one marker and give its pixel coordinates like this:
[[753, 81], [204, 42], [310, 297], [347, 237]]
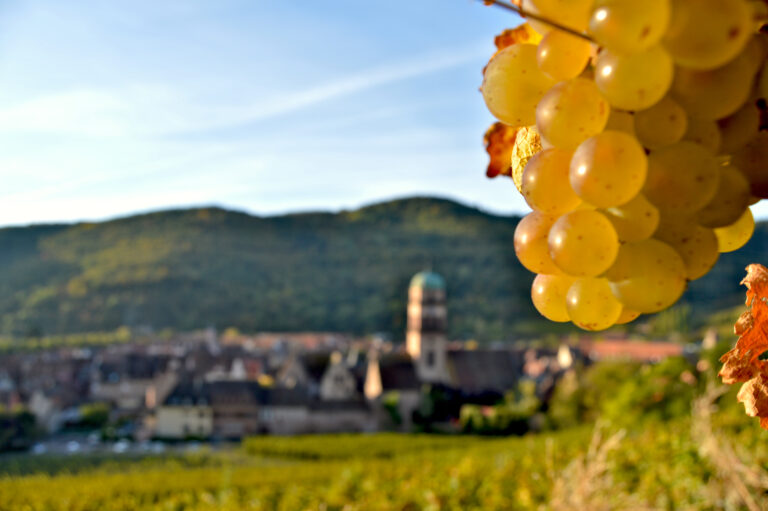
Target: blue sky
[[110, 108]]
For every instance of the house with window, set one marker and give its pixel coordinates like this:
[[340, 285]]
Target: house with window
[[186, 412]]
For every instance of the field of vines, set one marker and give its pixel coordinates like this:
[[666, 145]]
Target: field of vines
[[614, 436], [686, 464]]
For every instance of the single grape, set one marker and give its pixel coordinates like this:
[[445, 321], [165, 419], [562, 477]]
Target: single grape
[[562, 56], [513, 84], [731, 199], [697, 245], [704, 34], [570, 112], [651, 276], [733, 237], [636, 81], [739, 128], [714, 93], [591, 305], [704, 133], [569, 13], [629, 26], [626, 316], [752, 161], [548, 294], [634, 221], [531, 245], [608, 169], [682, 178], [757, 50], [662, 124], [583, 243], [545, 182], [620, 120]]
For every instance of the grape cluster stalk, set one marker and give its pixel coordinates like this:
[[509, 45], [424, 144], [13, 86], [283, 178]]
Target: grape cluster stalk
[[653, 143]]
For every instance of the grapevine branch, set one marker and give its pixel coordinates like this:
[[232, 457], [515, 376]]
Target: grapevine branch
[[525, 14]]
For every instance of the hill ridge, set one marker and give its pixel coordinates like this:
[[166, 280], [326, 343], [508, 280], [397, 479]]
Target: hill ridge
[[329, 271]]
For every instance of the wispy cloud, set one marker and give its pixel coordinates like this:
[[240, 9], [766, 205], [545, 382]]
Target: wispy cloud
[[151, 110], [420, 65]]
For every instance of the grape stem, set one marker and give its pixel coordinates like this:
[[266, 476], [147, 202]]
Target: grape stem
[[541, 19]]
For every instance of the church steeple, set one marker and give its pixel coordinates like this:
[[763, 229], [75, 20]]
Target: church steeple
[[426, 335]]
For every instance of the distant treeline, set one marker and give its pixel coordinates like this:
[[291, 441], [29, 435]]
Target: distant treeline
[[188, 269]]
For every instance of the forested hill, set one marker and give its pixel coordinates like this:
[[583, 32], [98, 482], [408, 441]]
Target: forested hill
[[349, 271]]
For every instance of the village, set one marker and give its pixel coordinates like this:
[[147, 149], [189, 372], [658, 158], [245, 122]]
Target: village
[[204, 385]]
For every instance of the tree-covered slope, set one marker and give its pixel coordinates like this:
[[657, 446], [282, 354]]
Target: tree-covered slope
[[315, 271]]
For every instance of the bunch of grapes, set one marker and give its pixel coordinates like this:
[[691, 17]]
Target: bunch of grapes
[[649, 117]]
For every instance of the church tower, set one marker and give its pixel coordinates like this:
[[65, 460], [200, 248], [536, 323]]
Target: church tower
[[426, 335]]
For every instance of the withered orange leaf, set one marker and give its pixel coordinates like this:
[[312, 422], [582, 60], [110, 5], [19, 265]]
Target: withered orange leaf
[[527, 143], [742, 363], [499, 141], [520, 34]]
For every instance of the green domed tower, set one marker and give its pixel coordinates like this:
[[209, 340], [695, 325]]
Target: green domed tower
[[426, 340]]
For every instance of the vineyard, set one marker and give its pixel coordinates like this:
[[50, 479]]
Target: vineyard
[[690, 462]]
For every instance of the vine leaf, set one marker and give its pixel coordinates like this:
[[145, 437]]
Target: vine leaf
[[742, 363], [499, 141], [520, 34]]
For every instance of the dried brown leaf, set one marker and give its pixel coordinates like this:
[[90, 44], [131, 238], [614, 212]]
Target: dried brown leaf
[[527, 143], [520, 34], [499, 141], [742, 363]]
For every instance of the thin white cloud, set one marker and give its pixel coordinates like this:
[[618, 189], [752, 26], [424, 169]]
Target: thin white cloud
[[146, 111], [364, 80]]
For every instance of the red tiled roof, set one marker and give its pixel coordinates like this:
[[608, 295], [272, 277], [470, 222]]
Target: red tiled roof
[[646, 351]]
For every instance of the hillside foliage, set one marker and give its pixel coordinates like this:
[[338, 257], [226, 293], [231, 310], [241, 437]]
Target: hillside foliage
[[348, 271]]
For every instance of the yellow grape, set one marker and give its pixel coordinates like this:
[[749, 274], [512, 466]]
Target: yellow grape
[[531, 245], [591, 305], [662, 124], [583, 243], [513, 84], [570, 112], [608, 169], [704, 34], [629, 26], [714, 93], [569, 13], [752, 161], [739, 128], [731, 199], [585, 206], [545, 182], [697, 245], [757, 50], [548, 294], [626, 316], [704, 133], [648, 276], [634, 82], [682, 178], [562, 56], [620, 120], [736, 235], [634, 221]]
